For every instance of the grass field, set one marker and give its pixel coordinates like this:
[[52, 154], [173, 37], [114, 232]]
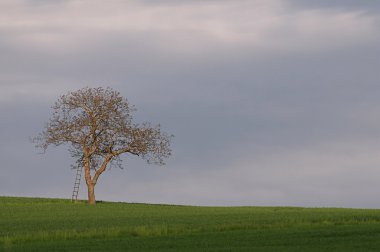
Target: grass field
[[32, 224]]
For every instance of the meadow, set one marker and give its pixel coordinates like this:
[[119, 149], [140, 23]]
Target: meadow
[[37, 224]]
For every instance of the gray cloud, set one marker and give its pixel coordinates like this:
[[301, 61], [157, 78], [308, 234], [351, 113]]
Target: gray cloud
[[272, 102], [371, 6]]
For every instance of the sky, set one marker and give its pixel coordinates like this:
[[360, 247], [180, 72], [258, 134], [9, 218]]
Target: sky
[[272, 102]]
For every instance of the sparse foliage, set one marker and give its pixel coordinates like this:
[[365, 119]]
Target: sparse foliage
[[97, 123]]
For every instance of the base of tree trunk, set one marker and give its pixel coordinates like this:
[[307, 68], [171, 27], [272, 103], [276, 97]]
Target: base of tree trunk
[[91, 195]]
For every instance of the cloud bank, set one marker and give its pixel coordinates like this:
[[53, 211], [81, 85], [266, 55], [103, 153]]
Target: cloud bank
[[272, 102]]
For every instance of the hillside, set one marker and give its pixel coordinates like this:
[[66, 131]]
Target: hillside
[[58, 225]]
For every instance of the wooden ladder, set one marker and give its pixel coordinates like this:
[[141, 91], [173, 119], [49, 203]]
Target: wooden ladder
[[74, 196]]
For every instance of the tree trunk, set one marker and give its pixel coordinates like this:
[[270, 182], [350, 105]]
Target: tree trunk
[[91, 194]]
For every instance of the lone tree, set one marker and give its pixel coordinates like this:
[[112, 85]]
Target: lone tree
[[97, 124]]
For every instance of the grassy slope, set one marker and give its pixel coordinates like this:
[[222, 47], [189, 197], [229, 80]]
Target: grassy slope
[[57, 225]]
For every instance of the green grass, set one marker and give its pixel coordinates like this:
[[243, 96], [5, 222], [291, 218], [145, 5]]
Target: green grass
[[32, 224]]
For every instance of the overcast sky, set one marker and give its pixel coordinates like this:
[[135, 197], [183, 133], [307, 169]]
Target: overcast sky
[[272, 102]]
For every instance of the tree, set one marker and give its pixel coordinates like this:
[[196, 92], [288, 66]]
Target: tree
[[97, 125]]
